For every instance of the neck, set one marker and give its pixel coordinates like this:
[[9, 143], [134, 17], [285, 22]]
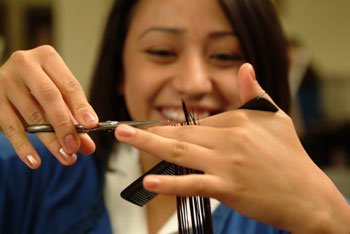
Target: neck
[[161, 208]]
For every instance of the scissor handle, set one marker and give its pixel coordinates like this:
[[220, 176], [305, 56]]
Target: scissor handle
[[48, 128]]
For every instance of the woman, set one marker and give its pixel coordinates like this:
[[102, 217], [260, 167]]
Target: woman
[[155, 53]]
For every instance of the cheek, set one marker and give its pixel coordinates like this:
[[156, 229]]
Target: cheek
[[140, 90], [227, 88]]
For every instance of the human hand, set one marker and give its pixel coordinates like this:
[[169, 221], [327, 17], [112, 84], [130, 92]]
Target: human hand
[[36, 87], [253, 162]]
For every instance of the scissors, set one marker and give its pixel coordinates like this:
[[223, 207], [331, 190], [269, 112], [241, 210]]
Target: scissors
[[107, 125]]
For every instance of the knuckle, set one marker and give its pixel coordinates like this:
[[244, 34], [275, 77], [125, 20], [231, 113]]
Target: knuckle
[[47, 50], [242, 135], [19, 57], [82, 106], [178, 151], [238, 136], [36, 117], [236, 161], [49, 92], [72, 85], [11, 131], [20, 146], [62, 123], [242, 117]]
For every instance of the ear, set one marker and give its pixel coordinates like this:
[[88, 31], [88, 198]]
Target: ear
[[248, 86]]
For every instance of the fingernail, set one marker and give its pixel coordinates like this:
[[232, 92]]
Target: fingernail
[[31, 161], [89, 118], [126, 131], [70, 143], [152, 183], [67, 156]]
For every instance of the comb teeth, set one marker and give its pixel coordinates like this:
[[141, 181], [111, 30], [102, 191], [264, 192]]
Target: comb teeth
[[135, 193]]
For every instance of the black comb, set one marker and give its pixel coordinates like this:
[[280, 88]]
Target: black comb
[[135, 192]]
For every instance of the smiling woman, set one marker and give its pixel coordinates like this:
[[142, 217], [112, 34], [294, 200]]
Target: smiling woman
[[155, 53]]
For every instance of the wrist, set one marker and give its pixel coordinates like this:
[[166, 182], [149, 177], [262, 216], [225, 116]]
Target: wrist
[[329, 223]]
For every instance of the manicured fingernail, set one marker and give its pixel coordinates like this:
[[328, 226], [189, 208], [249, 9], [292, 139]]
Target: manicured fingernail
[[126, 131], [89, 118], [31, 161], [67, 156], [70, 143]]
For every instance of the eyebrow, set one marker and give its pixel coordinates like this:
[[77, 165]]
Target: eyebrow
[[220, 34], [162, 29], [213, 35]]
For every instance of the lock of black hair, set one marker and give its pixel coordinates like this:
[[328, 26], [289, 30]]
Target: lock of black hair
[[193, 213]]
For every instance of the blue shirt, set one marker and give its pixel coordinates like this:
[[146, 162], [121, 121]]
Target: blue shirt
[[69, 199]]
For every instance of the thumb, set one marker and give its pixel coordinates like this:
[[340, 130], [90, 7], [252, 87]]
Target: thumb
[[248, 87]]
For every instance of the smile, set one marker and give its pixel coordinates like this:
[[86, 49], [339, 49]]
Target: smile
[[176, 113]]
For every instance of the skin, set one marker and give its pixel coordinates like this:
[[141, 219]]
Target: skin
[[253, 161], [193, 54], [37, 87], [272, 180], [279, 185], [180, 59]]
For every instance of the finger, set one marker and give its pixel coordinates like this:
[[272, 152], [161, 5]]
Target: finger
[[174, 151], [248, 87], [50, 99], [185, 185], [50, 140], [70, 88], [192, 134], [32, 113], [87, 145], [15, 133]]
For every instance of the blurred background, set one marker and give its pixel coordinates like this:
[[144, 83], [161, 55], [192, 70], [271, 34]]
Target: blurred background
[[318, 32]]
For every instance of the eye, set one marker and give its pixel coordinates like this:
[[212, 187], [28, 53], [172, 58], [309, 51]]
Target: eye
[[162, 56], [161, 53], [227, 57]]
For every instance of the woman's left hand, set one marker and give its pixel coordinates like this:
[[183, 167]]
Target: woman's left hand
[[253, 162]]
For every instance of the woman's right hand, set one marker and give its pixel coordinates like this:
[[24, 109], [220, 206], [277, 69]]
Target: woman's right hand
[[36, 87]]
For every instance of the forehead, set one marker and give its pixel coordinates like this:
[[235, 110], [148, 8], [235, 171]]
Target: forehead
[[184, 14]]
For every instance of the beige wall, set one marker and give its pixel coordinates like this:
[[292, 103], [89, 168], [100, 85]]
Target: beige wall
[[15, 19], [323, 26], [78, 26]]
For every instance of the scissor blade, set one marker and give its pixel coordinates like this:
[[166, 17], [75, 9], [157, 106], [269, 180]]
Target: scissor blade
[[108, 125], [136, 123]]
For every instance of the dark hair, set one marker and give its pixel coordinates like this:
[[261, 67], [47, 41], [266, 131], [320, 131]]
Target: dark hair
[[262, 41]]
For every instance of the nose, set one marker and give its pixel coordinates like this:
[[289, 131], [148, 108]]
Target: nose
[[192, 79]]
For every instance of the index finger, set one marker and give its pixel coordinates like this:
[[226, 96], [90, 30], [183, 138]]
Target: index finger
[[69, 87], [171, 150]]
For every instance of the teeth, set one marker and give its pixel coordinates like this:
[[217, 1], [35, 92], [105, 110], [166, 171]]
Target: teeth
[[202, 115], [179, 115], [174, 115]]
